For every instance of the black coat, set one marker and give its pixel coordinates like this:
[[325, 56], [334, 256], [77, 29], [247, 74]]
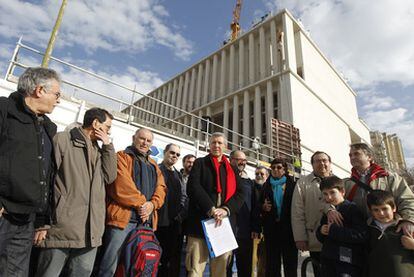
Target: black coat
[[270, 222], [202, 194], [23, 187], [350, 237]]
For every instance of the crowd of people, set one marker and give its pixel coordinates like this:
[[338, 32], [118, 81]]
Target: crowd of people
[[68, 202]]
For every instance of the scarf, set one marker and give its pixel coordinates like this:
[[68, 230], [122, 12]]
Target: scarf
[[277, 188], [230, 180], [376, 172]]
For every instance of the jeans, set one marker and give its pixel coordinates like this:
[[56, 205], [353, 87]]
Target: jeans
[[15, 244], [79, 261], [113, 240]]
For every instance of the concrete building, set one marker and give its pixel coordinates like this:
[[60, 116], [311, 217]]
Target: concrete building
[[388, 151], [274, 70]]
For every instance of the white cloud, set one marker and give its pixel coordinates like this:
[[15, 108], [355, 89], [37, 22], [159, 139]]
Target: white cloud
[[112, 25]]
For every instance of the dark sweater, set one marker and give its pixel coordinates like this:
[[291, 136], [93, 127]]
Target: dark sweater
[[345, 243], [387, 257]]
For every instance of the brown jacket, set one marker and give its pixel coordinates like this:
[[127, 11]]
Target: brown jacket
[[123, 194], [79, 191]]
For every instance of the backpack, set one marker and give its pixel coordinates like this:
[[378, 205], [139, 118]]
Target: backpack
[[140, 255]]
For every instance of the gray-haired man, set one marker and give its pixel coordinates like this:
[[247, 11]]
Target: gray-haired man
[[26, 165]]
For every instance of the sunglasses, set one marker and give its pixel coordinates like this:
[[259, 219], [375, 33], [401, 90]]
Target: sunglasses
[[174, 153], [277, 167]]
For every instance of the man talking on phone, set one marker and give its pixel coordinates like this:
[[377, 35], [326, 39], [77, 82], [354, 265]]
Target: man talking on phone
[[84, 168]]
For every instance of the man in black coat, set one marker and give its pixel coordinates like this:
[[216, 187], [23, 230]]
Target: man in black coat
[[214, 191], [26, 166]]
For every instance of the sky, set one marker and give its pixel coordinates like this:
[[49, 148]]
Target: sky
[[143, 43]]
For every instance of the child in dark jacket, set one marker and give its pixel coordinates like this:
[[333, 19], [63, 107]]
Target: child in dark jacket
[[343, 246], [390, 252]]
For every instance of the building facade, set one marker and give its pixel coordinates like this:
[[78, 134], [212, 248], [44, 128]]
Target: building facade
[[272, 71], [388, 151]]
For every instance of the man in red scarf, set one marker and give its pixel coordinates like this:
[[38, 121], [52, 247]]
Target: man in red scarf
[[214, 191], [367, 175]]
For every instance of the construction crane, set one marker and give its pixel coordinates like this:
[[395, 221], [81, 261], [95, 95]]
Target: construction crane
[[235, 26]]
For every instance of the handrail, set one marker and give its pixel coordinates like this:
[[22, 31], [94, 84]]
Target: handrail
[[132, 105]]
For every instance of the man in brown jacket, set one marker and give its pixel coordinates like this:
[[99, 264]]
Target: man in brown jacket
[[84, 169], [135, 196]]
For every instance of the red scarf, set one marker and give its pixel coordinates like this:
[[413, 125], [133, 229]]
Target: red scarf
[[231, 177], [376, 172]]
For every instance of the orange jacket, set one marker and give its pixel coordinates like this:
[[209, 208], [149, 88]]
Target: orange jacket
[[123, 194]]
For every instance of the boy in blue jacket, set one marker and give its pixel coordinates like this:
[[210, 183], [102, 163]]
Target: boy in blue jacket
[[343, 246]]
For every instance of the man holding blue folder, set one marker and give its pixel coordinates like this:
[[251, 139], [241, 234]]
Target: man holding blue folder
[[214, 191]]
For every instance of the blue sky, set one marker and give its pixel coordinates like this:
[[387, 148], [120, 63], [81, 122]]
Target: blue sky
[[143, 43]]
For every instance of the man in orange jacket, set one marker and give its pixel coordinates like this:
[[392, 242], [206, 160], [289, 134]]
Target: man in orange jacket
[[135, 196]]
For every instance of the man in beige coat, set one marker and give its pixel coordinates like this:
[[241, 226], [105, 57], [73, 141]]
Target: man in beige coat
[[308, 206], [84, 169]]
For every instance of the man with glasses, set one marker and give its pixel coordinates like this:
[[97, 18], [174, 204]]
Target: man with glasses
[[171, 214], [308, 206], [84, 169], [26, 165], [244, 222]]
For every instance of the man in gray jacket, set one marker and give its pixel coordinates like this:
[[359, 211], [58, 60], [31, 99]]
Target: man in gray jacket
[[84, 169]]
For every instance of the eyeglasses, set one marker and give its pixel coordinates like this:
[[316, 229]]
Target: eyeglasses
[[259, 174], [277, 167], [174, 153], [57, 94]]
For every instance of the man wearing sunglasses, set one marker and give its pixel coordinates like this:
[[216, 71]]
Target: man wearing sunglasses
[[26, 165], [171, 214]]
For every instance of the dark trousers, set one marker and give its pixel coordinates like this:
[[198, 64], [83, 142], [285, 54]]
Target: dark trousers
[[244, 255], [171, 240], [15, 246], [316, 268], [277, 249], [332, 268]]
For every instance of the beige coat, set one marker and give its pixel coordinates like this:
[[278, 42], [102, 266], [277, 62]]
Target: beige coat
[[79, 191], [404, 197], [307, 210]]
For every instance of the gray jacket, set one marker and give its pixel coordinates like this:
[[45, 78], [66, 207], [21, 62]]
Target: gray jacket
[[79, 192]]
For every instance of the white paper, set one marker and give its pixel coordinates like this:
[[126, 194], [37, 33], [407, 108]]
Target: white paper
[[220, 238]]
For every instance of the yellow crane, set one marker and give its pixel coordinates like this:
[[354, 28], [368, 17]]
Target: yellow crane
[[235, 26]]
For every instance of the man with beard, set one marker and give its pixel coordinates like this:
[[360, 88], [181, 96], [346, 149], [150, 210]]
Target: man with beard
[[308, 207], [188, 162], [171, 215], [244, 225]]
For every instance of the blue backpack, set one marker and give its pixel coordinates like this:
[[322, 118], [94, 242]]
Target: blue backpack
[[140, 255]]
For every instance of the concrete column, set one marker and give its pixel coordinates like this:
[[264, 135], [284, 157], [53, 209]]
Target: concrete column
[[169, 92], [273, 57], [206, 92], [173, 98], [199, 133], [289, 42], [262, 53], [208, 113], [199, 86], [157, 105], [179, 95], [193, 121], [163, 107], [241, 64], [226, 117], [223, 75], [269, 112], [235, 127], [284, 97], [252, 66], [151, 109], [246, 118], [214, 87], [146, 116], [192, 90], [257, 113], [184, 103], [231, 68], [187, 121]]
